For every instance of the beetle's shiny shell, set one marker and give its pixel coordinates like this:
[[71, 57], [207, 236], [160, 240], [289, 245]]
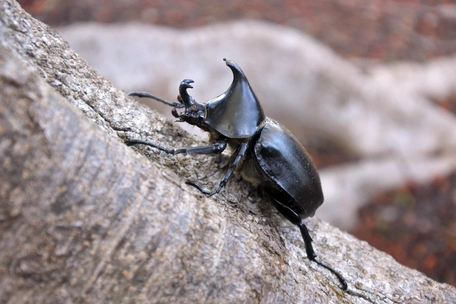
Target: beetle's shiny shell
[[289, 175]]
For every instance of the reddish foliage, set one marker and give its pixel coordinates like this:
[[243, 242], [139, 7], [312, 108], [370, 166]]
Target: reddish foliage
[[417, 226]]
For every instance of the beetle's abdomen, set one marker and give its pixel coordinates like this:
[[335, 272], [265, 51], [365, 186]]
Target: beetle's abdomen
[[290, 175]]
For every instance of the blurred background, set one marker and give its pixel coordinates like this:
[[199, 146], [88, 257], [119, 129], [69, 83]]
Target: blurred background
[[369, 87]]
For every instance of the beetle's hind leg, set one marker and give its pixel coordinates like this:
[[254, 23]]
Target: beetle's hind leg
[[311, 254], [295, 219]]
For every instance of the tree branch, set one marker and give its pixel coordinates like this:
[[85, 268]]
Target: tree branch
[[84, 218]]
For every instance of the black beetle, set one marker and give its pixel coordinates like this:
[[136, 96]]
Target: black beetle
[[265, 152]]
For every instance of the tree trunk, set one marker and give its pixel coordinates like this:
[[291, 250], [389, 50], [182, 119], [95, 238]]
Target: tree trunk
[[84, 218]]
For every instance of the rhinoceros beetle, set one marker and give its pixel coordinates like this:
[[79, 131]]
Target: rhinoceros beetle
[[265, 152]]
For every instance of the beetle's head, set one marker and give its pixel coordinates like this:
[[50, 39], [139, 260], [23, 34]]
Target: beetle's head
[[194, 112]]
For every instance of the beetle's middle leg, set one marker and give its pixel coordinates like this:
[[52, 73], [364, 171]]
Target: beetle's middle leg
[[236, 159]]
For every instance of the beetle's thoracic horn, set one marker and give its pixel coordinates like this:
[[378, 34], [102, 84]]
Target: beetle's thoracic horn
[[237, 113]]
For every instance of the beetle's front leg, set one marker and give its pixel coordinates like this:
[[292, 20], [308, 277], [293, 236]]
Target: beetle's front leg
[[215, 148], [149, 95], [236, 158]]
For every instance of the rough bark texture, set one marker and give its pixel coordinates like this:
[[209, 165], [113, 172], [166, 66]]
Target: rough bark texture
[[83, 218]]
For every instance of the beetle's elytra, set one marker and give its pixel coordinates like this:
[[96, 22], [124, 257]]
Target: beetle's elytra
[[265, 152]]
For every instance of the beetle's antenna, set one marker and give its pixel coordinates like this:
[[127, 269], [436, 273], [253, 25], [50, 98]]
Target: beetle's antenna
[[148, 95], [311, 255]]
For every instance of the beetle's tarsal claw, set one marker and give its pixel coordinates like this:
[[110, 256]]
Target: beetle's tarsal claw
[[201, 189], [196, 185], [342, 280]]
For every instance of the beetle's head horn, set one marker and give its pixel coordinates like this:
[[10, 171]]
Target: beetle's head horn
[[184, 97], [194, 111]]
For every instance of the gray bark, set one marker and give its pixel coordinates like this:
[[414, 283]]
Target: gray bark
[[83, 218]]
